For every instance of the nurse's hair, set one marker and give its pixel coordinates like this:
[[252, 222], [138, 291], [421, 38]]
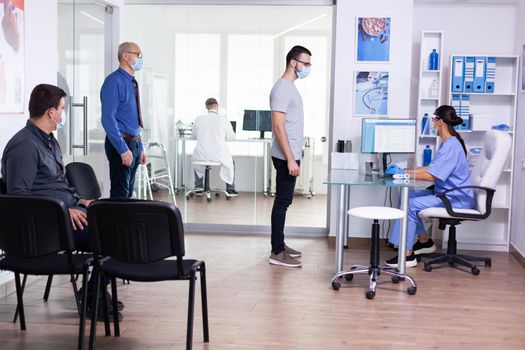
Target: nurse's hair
[[448, 115]]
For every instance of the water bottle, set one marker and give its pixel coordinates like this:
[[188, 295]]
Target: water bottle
[[427, 155], [424, 122], [433, 60]]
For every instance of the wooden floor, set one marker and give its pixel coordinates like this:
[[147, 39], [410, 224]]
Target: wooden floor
[[257, 306], [249, 209]]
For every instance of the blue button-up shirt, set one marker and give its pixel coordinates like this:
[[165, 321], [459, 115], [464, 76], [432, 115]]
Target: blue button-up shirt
[[119, 109]]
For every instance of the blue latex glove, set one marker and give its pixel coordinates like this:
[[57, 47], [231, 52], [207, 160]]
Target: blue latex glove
[[394, 169]]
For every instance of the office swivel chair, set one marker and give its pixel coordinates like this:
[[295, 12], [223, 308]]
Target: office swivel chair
[[485, 174]]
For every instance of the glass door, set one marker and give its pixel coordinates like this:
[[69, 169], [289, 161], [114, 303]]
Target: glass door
[[84, 36]]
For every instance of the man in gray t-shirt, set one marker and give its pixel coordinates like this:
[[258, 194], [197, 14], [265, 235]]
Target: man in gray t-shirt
[[288, 131]]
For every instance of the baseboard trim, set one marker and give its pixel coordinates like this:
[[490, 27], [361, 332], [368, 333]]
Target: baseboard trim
[[517, 255]]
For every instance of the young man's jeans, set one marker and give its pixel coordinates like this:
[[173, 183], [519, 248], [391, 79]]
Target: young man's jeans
[[284, 189], [199, 181], [122, 177]]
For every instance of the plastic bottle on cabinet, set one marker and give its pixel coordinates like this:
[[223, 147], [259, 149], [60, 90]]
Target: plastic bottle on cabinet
[[433, 60], [427, 155], [424, 122]]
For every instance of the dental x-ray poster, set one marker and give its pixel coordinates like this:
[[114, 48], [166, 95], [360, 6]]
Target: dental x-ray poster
[[371, 94], [12, 57], [373, 39]]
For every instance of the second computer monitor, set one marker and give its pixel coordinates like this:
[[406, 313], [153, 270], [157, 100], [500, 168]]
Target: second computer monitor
[[257, 120], [388, 136]]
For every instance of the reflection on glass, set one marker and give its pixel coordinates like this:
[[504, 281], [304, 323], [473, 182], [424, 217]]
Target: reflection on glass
[[190, 56]]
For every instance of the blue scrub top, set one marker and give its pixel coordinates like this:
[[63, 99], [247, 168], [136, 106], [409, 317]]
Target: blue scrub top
[[450, 168]]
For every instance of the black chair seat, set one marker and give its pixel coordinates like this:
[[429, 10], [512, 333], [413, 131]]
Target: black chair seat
[[54, 264], [151, 272]]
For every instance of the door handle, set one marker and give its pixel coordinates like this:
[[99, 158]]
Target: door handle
[[84, 145]]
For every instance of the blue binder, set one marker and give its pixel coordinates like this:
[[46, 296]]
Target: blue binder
[[479, 74], [464, 112], [456, 103], [490, 75], [469, 73], [458, 68]]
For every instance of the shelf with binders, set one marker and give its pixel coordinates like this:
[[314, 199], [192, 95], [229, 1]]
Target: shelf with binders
[[484, 75]]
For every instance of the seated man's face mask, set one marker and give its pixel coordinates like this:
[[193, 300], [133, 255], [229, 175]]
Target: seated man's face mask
[[62, 122]]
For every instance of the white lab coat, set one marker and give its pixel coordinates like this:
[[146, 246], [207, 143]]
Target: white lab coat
[[211, 132]]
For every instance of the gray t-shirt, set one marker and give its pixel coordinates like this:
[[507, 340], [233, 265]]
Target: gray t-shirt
[[285, 98]]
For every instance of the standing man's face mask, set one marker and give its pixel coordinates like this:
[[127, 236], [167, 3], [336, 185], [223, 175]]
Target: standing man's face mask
[[138, 64], [303, 73]]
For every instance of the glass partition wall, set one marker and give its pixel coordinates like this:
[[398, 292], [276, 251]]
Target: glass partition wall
[[233, 54]]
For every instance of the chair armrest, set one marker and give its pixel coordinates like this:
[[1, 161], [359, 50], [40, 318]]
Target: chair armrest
[[451, 212]]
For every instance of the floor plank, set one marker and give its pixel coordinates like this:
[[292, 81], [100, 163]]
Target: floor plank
[[253, 305]]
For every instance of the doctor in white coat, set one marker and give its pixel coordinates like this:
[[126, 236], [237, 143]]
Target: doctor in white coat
[[211, 131]]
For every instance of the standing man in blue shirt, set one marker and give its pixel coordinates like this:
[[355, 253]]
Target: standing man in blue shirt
[[122, 120]]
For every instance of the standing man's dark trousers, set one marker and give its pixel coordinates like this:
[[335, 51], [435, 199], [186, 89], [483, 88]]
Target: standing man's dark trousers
[[122, 177], [284, 189]]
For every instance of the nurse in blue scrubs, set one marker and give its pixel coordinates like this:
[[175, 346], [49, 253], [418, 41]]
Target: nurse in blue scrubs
[[448, 169]]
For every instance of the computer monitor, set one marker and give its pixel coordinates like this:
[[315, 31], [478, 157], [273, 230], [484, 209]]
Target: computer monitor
[[388, 136], [234, 125], [257, 120]]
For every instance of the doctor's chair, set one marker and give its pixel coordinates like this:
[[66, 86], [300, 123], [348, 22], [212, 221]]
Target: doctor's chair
[[485, 175]]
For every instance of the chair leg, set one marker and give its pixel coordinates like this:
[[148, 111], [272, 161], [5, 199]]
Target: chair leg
[[437, 260], [105, 308], [75, 292], [464, 262], [15, 318], [114, 300], [94, 309], [191, 305], [487, 261], [48, 287], [83, 310], [19, 292], [204, 300]]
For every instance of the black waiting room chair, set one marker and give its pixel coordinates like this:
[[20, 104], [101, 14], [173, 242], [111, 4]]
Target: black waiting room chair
[[36, 239], [82, 177], [132, 239]]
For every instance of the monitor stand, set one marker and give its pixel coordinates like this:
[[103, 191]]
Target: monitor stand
[[383, 164]]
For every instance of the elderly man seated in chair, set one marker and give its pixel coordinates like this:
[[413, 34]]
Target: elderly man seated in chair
[[32, 161]]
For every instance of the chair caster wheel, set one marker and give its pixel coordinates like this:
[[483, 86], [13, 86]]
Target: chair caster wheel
[[228, 198], [349, 277], [475, 271], [427, 268], [336, 285], [418, 258], [411, 290], [370, 294], [217, 195], [395, 279], [208, 199], [488, 263], [155, 187]]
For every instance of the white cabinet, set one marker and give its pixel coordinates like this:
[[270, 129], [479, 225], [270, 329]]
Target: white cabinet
[[497, 107]]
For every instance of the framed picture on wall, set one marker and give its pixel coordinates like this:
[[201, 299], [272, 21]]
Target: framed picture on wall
[[522, 86], [373, 39], [12, 57], [371, 93]]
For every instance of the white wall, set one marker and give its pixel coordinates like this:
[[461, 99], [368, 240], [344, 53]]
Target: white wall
[[344, 126], [460, 36], [41, 59], [517, 233]]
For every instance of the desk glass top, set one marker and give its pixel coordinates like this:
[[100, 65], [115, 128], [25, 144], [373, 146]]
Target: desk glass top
[[353, 177]]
